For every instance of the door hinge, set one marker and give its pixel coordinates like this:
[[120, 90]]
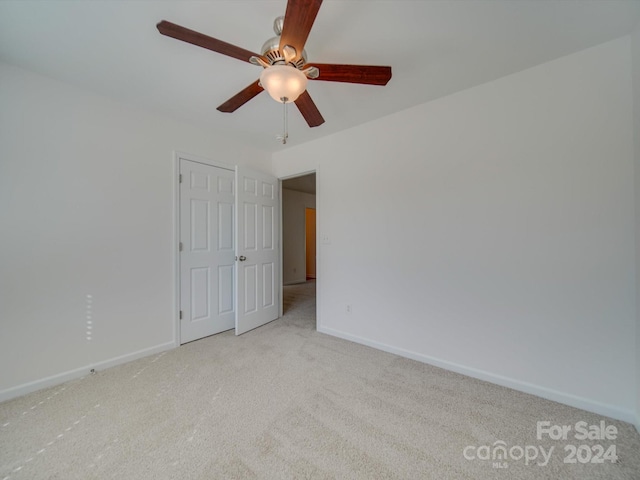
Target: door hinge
[[180, 178], [180, 314], [180, 246]]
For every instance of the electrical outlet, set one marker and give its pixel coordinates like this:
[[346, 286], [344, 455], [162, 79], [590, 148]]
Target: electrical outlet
[[348, 309], [325, 239]]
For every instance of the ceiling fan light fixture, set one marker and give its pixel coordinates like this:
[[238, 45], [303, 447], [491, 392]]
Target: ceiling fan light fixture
[[284, 61], [283, 82]]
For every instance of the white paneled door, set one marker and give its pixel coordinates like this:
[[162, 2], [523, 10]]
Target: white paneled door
[[257, 239], [207, 250]]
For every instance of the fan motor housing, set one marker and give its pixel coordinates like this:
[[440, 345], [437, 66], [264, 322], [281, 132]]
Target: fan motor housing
[[271, 51], [271, 48]]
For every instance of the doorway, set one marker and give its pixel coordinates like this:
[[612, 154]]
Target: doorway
[[299, 237]]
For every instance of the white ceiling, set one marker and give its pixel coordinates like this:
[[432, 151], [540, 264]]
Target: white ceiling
[[303, 183], [435, 47]]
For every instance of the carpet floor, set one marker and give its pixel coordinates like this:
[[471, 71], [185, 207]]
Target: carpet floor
[[286, 402]]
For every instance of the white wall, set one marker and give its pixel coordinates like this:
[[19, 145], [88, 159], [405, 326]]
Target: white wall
[[294, 260], [492, 231], [86, 207], [635, 52]]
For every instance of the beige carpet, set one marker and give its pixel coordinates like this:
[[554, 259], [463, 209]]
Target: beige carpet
[[284, 401]]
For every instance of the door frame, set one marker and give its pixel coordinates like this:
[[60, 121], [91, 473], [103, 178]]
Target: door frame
[[315, 170], [177, 156]]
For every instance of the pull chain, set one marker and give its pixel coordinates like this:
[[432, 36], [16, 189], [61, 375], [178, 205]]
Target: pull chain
[[285, 134]]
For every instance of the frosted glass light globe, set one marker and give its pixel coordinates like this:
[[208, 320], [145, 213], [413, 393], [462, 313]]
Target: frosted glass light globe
[[283, 82]]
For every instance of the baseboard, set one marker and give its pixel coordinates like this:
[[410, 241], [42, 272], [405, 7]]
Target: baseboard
[[59, 378], [550, 394]]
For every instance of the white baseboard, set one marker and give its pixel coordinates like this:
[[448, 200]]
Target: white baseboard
[[550, 394], [59, 378]]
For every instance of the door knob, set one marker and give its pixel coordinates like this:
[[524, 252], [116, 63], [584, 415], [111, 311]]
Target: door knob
[[242, 258]]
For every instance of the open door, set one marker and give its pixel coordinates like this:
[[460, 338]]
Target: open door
[[257, 223], [310, 242]]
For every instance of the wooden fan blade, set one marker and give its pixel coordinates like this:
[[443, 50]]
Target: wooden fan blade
[[367, 74], [241, 98], [298, 20], [195, 38], [309, 110]]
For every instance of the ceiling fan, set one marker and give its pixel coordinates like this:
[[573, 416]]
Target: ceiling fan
[[284, 61]]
